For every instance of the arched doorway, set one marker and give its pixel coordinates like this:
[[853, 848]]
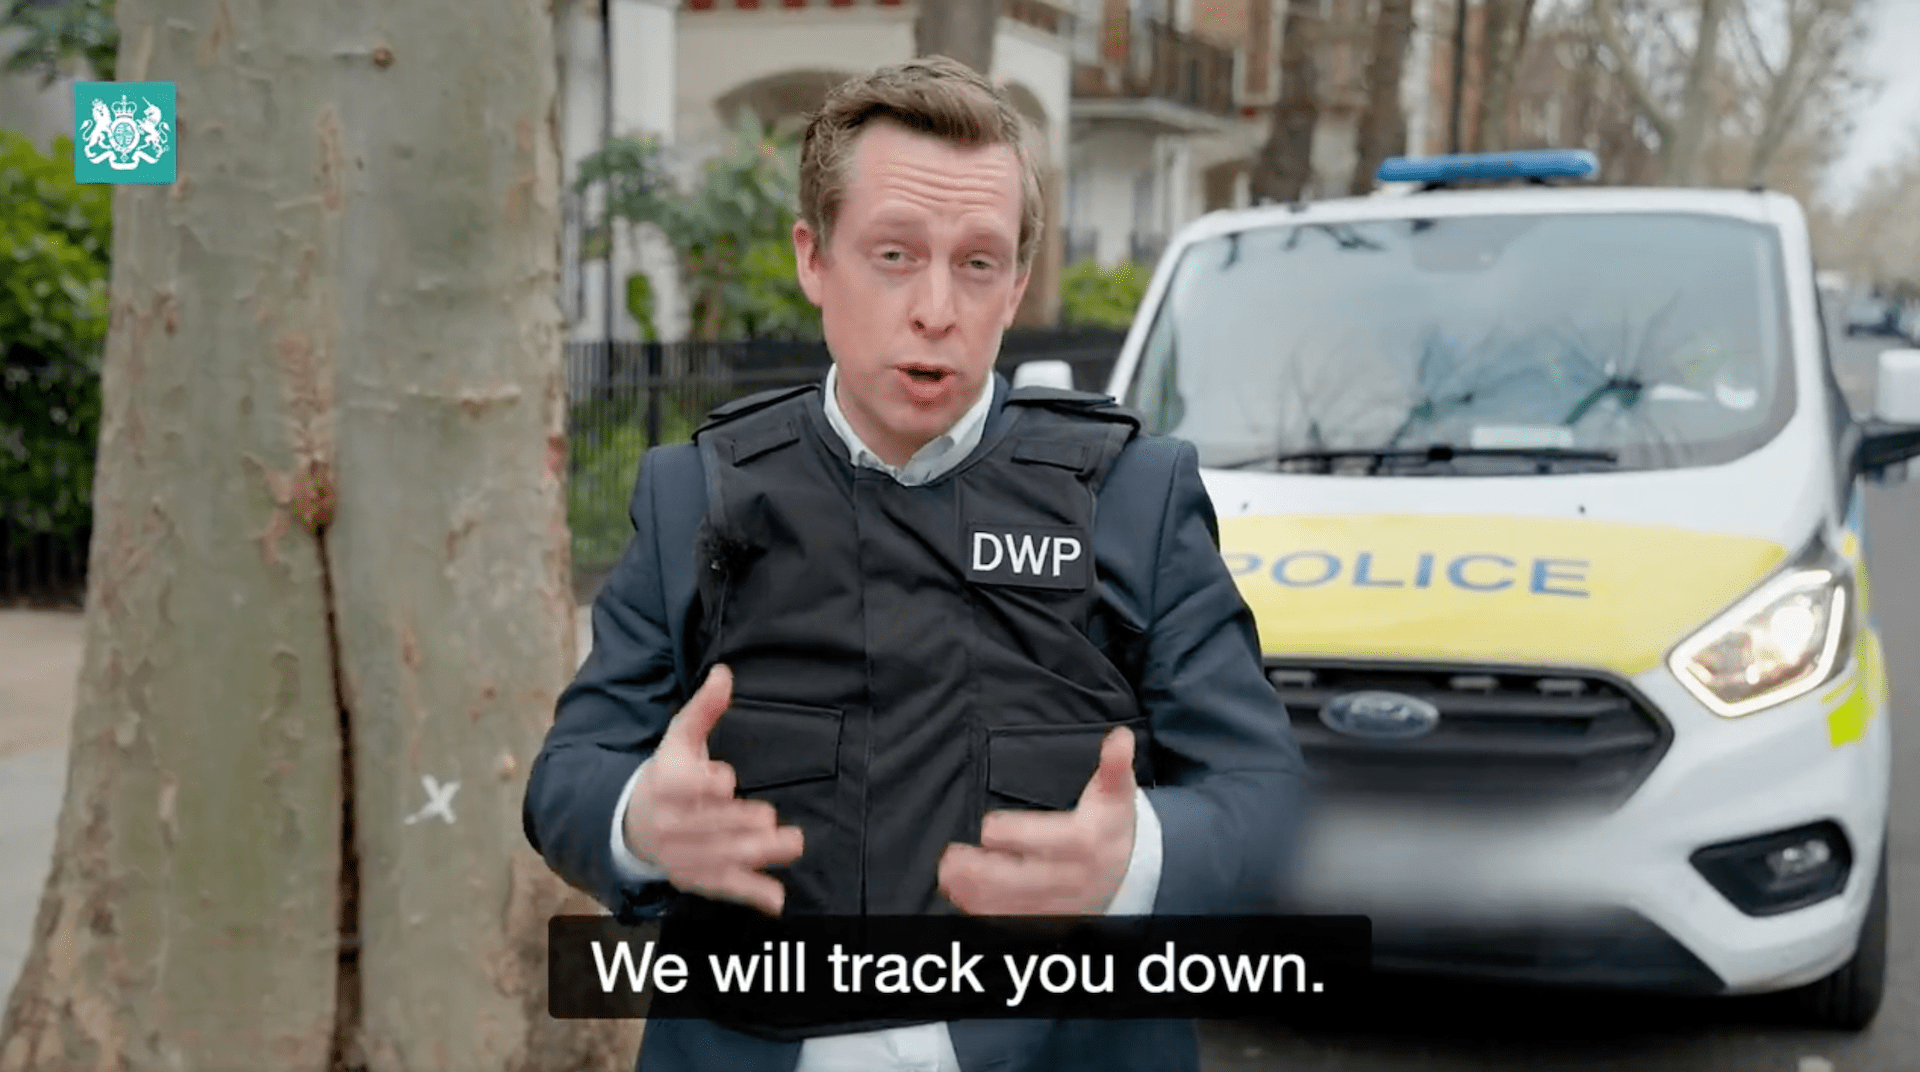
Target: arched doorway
[[782, 101]]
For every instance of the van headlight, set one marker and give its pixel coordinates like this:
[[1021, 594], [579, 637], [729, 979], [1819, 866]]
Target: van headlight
[[1783, 641]]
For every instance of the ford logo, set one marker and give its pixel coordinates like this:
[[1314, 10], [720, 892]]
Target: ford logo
[[1386, 716]]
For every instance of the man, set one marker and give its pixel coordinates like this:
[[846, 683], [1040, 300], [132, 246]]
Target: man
[[913, 643]]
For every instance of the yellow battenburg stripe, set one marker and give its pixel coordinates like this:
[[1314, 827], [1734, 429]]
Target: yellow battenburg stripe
[[1865, 696], [1848, 722], [1530, 591], [1861, 697]]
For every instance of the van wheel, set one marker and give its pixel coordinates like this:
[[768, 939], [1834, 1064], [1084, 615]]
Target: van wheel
[[1849, 999]]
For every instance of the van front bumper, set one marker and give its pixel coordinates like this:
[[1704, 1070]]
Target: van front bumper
[[1609, 894]]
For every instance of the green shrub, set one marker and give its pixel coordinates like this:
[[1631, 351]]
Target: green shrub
[[765, 300], [602, 472], [597, 493], [54, 248], [1092, 298]]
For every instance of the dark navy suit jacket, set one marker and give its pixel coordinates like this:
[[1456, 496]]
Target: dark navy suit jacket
[[1231, 781]]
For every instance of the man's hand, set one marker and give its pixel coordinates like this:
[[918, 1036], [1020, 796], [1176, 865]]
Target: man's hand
[[1063, 864], [684, 817]]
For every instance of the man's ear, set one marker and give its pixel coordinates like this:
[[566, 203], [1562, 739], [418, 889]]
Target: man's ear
[[808, 260], [1019, 294]]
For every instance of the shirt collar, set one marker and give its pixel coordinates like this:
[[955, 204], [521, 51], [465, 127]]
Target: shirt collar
[[929, 462]]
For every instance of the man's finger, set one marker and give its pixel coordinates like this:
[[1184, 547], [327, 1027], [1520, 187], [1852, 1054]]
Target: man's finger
[[749, 888], [983, 883], [1028, 833], [775, 848], [721, 781], [694, 780], [692, 724], [697, 860], [722, 819], [1114, 777]]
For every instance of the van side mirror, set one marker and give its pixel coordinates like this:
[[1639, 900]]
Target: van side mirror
[[1896, 397], [1892, 436], [1052, 373]]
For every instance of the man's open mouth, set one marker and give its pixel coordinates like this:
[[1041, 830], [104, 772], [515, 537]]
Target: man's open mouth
[[925, 373]]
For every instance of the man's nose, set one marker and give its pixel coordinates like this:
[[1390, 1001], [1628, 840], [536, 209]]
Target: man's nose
[[933, 305]]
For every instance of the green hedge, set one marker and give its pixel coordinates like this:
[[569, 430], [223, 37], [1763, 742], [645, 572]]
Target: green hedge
[[55, 240], [1091, 297]]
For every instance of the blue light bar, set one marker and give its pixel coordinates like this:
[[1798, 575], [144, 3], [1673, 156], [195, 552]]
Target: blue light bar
[[1482, 167]]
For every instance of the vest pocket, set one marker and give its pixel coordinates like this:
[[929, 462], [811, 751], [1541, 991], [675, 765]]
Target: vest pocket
[[770, 744], [1048, 767]]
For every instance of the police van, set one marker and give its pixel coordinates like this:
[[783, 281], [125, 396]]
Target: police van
[[1548, 504]]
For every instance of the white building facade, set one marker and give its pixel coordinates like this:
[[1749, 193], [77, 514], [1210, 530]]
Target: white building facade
[[682, 72]]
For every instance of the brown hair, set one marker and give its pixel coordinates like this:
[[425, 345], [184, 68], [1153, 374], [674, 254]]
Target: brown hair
[[933, 95]]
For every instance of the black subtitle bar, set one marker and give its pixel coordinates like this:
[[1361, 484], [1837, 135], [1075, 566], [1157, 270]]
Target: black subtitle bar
[[792, 975]]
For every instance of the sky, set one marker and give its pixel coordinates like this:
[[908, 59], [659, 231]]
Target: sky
[[1888, 123]]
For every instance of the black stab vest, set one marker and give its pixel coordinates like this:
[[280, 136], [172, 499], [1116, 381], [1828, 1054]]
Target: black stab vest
[[907, 659]]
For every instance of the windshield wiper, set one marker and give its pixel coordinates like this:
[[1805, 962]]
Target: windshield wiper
[[1629, 388], [1439, 452]]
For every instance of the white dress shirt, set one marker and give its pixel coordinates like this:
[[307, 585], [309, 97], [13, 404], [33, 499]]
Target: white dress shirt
[[925, 1047]]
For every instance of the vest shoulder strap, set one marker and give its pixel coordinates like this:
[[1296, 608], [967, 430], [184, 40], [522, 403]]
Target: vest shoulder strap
[[748, 427], [753, 403], [1076, 430], [1075, 403]]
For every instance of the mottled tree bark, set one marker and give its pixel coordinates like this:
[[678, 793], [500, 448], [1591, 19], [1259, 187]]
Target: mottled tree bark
[[330, 561], [1382, 130], [1501, 48], [1284, 167]]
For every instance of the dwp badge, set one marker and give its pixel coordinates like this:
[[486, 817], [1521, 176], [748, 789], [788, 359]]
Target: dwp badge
[[1031, 557]]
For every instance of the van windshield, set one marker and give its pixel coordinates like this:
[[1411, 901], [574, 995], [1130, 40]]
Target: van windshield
[[1473, 345]]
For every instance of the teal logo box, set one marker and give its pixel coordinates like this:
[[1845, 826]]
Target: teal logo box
[[123, 133]]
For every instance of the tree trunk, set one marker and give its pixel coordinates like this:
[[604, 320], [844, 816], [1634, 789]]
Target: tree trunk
[[330, 561], [1606, 25], [1680, 161], [1383, 126], [1500, 48], [958, 29], [1285, 165], [1790, 86]]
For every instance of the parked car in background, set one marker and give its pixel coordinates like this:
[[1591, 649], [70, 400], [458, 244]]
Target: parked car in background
[[1871, 315]]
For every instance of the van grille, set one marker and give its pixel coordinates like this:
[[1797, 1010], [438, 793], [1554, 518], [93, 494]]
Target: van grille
[[1503, 733]]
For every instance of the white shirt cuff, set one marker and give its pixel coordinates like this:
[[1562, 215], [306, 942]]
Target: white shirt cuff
[[631, 867], [1141, 886]]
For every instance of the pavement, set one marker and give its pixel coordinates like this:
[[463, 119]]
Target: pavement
[[37, 683], [38, 679]]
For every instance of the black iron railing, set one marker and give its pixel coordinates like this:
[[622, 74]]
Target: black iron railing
[[624, 398]]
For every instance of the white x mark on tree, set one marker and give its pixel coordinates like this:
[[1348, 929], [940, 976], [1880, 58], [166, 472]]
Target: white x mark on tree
[[439, 800]]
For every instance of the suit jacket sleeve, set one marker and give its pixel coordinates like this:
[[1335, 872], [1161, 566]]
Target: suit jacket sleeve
[[614, 713], [1231, 781]]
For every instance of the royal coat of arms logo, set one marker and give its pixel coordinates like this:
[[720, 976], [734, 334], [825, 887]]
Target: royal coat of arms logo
[[121, 137]]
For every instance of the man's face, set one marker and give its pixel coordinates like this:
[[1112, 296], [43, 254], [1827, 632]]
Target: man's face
[[919, 283]]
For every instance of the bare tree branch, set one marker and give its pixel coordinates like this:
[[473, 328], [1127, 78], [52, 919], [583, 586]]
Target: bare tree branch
[[1751, 37], [1681, 158], [1815, 43], [1606, 21]]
